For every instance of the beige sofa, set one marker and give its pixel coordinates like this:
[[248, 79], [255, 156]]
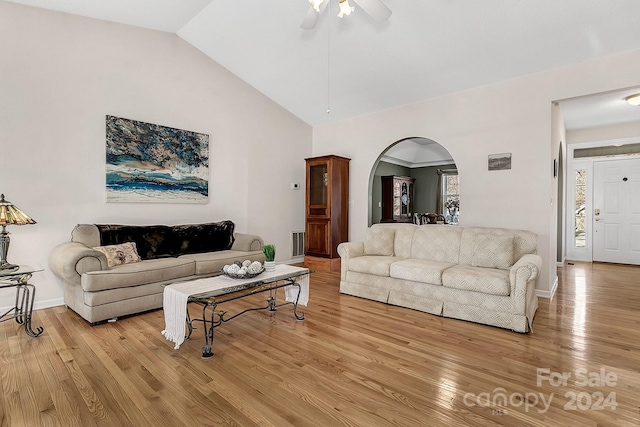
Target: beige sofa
[[483, 275], [168, 254]]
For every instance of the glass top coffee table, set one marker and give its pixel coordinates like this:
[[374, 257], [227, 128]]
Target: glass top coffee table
[[222, 289]]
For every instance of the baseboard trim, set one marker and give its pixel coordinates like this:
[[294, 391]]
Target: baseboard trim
[[39, 305], [548, 294], [49, 303]]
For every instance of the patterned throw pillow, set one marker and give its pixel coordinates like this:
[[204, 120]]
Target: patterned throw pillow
[[124, 253], [493, 251], [379, 241]]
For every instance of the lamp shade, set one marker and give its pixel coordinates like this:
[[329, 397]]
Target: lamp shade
[[10, 214]]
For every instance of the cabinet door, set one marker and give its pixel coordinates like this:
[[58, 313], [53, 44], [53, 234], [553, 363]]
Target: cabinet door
[[317, 237], [397, 199], [387, 199], [318, 189]]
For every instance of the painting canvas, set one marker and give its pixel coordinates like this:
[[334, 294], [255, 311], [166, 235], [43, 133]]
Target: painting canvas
[[499, 161], [152, 163]]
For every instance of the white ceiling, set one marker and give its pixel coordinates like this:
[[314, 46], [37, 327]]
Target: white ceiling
[[600, 109], [355, 65], [417, 153]]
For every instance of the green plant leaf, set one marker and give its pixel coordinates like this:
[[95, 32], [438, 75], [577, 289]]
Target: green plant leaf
[[269, 252]]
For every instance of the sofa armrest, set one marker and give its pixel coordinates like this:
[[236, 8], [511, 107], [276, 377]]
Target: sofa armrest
[[247, 242], [348, 250], [351, 249], [523, 274], [70, 260]]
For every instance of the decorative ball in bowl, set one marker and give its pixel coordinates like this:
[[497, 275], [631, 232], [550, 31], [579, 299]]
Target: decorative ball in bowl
[[246, 269]]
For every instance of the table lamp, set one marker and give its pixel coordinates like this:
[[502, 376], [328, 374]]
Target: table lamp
[[9, 214]]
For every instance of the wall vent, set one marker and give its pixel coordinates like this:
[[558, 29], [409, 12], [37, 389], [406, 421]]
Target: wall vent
[[297, 244]]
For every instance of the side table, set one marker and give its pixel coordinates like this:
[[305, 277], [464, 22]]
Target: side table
[[25, 295]]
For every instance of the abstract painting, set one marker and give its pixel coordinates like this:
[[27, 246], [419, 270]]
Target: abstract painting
[[153, 163]]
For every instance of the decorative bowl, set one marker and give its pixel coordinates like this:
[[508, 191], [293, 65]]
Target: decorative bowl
[[243, 276]]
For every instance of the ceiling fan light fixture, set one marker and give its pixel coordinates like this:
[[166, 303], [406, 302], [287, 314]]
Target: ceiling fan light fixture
[[315, 4], [633, 99], [345, 8]]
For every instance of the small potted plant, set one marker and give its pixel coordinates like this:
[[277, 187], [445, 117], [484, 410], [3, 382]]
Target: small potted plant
[[270, 257]]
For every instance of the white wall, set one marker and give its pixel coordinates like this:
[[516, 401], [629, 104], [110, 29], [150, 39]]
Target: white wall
[[559, 144], [60, 75], [514, 117]]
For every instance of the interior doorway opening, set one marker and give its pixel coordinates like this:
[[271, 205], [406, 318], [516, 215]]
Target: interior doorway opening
[[594, 231], [426, 164]]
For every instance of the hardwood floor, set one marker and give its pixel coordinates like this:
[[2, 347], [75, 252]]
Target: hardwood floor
[[352, 362]]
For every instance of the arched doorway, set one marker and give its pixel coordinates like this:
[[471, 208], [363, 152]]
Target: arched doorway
[[425, 161]]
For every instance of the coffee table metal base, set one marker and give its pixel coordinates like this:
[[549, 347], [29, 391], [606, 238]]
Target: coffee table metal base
[[22, 311], [217, 318]]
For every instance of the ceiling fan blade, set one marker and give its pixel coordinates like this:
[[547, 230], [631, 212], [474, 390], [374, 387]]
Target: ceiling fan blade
[[311, 18], [375, 8]]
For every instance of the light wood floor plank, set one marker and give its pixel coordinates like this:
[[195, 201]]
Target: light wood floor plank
[[352, 362]]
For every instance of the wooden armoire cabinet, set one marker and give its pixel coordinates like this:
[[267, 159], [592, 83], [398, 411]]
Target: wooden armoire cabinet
[[397, 198], [326, 212]]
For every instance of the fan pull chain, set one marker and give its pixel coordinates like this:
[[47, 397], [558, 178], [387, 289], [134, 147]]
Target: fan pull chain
[[329, 61]]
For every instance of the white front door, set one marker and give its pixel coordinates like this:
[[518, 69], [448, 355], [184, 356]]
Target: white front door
[[616, 211]]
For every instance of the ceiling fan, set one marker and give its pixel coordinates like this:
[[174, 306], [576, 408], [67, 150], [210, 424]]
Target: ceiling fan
[[374, 8]]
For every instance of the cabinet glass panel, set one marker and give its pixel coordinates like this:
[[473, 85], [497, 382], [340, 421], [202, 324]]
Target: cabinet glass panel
[[404, 198], [396, 198], [318, 185]]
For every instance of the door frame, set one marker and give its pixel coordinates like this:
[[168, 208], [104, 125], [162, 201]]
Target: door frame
[[585, 253]]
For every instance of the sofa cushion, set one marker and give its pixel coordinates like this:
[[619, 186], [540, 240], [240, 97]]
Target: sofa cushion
[[404, 240], [127, 295], [379, 241], [212, 262], [87, 234], [493, 251], [437, 243], [419, 270], [478, 279], [124, 253], [139, 273], [403, 236], [374, 264], [524, 242]]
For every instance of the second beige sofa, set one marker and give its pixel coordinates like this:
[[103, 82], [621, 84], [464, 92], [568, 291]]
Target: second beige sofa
[[483, 275]]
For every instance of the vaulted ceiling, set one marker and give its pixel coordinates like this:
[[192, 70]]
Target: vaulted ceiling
[[356, 65]]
